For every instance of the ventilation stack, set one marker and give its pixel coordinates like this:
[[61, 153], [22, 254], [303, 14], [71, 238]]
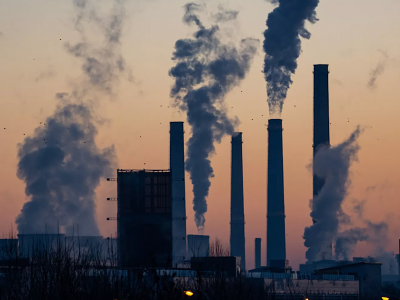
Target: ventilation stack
[[237, 240], [177, 167], [321, 128], [276, 240], [257, 250]]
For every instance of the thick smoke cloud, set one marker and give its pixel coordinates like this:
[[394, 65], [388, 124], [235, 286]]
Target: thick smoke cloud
[[206, 70], [282, 46], [61, 163], [331, 164], [62, 166]]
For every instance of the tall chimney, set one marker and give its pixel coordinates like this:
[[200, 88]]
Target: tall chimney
[[237, 240], [177, 167], [257, 252], [276, 240], [321, 128], [398, 260]]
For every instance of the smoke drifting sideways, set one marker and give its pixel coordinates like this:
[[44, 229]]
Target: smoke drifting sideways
[[282, 46], [346, 241], [378, 71], [61, 164], [332, 164], [206, 70], [101, 66], [375, 234]]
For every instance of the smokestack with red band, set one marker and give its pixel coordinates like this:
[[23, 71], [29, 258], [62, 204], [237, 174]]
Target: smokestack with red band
[[276, 240], [237, 240]]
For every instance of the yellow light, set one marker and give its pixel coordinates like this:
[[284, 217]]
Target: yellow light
[[385, 298], [306, 299], [188, 293]]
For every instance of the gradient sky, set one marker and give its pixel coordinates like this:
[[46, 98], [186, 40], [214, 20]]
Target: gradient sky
[[348, 37]]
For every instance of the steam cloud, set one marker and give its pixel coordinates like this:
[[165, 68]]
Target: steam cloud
[[61, 163], [331, 164], [282, 46], [372, 232], [206, 70]]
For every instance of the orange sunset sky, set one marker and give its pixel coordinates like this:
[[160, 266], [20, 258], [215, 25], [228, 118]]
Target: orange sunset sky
[[349, 36]]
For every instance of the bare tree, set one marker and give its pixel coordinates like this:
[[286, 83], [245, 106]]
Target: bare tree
[[218, 249]]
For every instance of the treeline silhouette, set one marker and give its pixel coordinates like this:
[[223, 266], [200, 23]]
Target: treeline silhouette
[[73, 271]]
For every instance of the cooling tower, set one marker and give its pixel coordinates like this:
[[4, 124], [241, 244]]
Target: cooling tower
[[276, 243], [321, 127], [237, 240], [257, 252], [177, 167], [198, 246]]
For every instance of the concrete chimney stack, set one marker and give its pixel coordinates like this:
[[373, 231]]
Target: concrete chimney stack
[[257, 253], [237, 240], [321, 128], [321, 116], [177, 167], [276, 239]]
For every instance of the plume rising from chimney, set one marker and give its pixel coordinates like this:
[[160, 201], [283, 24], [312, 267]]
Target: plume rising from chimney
[[206, 70]]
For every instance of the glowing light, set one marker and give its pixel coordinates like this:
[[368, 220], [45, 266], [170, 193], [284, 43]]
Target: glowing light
[[385, 298], [188, 293]]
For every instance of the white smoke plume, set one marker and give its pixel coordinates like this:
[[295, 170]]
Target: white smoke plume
[[332, 164], [61, 164]]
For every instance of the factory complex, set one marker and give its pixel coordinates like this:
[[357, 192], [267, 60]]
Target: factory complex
[[151, 224]]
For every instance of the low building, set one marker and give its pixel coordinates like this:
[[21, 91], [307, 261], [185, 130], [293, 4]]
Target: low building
[[309, 268], [198, 246], [368, 275], [29, 244], [228, 266]]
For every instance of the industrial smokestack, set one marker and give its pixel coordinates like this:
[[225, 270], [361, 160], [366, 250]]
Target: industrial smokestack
[[276, 243], [321, 127], [321, 116], [257, 250], [177, 166], [237, 241]]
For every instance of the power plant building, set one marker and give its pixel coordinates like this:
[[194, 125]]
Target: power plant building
[[144, 221], [276, 239], [237, 239]]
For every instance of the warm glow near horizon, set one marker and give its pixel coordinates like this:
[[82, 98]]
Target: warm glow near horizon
[[349, 36]]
